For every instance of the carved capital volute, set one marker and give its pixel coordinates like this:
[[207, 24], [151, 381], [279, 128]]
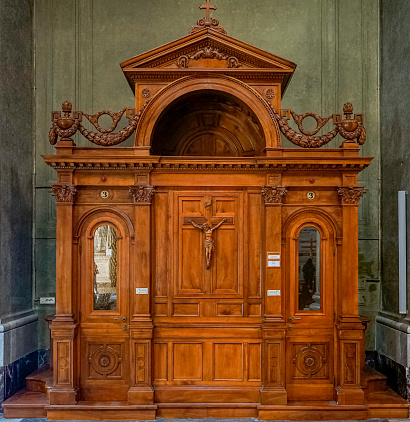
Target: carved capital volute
[[142, 194], [273, 194], [64, 193], [350, 195]]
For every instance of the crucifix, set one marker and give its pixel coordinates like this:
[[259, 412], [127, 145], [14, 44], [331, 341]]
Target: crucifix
[[208, 7], [209, 241]]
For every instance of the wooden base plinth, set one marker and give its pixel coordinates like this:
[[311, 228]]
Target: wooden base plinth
[[34, 404], [141, 396], [309, 411], [114, 411], [350, 396], [274, 396], [188, 395]]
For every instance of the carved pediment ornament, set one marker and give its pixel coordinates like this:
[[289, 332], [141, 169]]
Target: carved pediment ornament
[[208, 52], [350, 195], [273, 194], [64, 193], [207, 22], [142, 194]]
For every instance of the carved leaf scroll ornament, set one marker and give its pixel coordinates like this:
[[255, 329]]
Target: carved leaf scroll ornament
[[208, 53], [65, 126], [350, 195], [349, 128], [273, 195], [64, 193], [142, 194]]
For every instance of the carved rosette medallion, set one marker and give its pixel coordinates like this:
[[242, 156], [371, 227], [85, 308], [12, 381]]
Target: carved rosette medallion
[[273, 194], [270, 94], [146, 93], [142, 194], [64, 193], [104, 360], [350, 195], [308, 360]]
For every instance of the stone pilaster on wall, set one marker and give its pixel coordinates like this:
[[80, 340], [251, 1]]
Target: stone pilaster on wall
[[393, 353], [392, 328], [18, 321]]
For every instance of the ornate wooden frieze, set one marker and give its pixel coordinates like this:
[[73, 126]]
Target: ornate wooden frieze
[[350, 195], [273, 194], [208, 53], [142, 194], [64, 193], [348, 128], [65, 126]]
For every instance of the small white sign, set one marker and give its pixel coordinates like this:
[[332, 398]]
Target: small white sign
[[273, 263], [47, 300], [141, 291], [273, 256], [108, 252], [273, 292]]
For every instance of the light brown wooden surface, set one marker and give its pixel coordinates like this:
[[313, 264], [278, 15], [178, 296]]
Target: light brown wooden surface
[[200, 205]]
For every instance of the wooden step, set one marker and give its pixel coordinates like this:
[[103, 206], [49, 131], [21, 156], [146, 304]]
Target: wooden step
[[26, 404], [40, 381], [372, 381], [387, 404]]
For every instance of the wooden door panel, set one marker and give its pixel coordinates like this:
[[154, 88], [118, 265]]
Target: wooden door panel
[[225, 275], [191, 262], [228, 362], [187, 362]]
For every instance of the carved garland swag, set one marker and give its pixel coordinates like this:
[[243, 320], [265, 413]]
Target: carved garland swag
[[66, 125]]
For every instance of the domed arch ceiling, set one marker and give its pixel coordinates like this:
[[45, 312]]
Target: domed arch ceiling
[[208, 123]]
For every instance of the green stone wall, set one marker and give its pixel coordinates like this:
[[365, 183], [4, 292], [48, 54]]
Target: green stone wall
[[80, 43]]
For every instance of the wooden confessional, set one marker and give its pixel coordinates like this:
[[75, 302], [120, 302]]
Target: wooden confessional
[[209, 271]]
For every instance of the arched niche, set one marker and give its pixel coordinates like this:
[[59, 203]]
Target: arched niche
[[219, 109], [208, 123]]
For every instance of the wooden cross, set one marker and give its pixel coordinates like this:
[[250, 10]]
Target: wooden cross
[[208, 7]]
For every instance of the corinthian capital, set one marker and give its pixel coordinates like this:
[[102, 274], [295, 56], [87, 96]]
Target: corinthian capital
[[350, 195], [64, 193], [273, 194], [142, 194]]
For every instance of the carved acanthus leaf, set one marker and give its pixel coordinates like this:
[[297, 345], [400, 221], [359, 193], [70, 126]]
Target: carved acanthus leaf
[[64, 193], [142, 194], [351, 195], [208, 52], [273, 194]]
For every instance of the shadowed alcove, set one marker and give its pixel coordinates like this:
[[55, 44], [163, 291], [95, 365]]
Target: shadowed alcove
[[208, 123]]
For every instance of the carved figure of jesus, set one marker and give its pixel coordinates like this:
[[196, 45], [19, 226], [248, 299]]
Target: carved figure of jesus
[[209, 242]]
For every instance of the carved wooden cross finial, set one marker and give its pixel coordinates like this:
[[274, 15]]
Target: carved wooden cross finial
[[208, 7]]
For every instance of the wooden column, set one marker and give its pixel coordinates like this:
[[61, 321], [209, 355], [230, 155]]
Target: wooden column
[[273, 369], [64, 327], [349, 325], [141, 326]]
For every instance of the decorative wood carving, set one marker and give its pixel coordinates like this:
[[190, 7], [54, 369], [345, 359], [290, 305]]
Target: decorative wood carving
[[63, 362], [273, 194], [350, 195], [146, 93], [66, 126], [208, 53], [208, 22], [350, 369], [105, 359], [64, 193], [142, 194], [209, 243], [348, 128], [309, 360]]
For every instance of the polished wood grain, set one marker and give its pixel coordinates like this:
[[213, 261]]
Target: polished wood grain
[[208, 209]]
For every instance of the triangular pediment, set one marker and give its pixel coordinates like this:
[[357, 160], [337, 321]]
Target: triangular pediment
[[208, 49], [214, 45]]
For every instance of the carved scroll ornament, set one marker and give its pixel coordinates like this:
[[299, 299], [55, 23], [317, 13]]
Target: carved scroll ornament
[[64, 193], [208, 53], [142, 194], [351, 195], [349, 128], [66, 125], [273, 195]]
